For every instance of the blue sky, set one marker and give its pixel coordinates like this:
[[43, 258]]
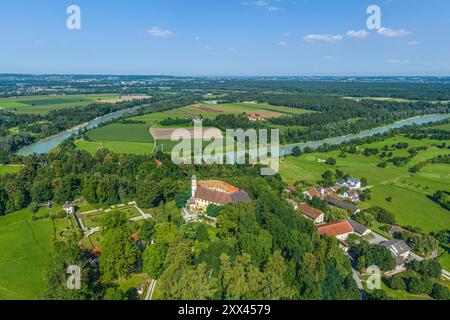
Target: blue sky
[[226, 37]]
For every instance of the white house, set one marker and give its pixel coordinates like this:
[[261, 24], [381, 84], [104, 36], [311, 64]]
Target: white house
[[69, 208]]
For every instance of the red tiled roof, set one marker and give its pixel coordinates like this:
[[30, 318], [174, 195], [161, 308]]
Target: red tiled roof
[[313, 192], [216, 184], [291, 188], [309, 211], [221, 198], [335, 229]]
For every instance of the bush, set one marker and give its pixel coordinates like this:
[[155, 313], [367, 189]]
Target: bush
[[427, 268], [34, 207], [416, 286], [397, 283], [440, 292], [378, 294], [382, 215]]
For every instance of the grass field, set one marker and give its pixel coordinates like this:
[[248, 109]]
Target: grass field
[[25, 246], [211, 111], [115, 146], [119, 138], [9, 169], [409, 192], [122, 132], [45, 104]]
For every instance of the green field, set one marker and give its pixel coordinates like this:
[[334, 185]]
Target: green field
[[45, 104], [209, 111], [409, 192], [122, 147], [122, 132], [9, 169], [25, 246]]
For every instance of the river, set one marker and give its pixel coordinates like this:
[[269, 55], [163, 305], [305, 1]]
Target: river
[[48, 144]]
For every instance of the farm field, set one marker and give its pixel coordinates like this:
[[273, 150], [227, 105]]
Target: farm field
[[8, 169], [409, 192], [209, 111], [123, 147], [119, 138], [45, 104], [25, 246], [121, 132]]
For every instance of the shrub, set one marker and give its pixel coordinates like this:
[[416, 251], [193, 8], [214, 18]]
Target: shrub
[[397, 283], [440, 292], [416, 286]]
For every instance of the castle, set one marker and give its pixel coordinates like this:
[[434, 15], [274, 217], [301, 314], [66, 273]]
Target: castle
[[214, 192]]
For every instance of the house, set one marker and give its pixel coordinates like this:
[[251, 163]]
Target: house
[[399, 250], [351, 183], [334, 201], [292, 203], [214, 192], [340, 229], [316, 192], [69, 208], [291, 189], [254, 117], [359, 229], [312, 213], [351, 195]]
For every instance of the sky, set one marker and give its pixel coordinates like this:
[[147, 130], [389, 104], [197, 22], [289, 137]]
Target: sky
[[226, 37]]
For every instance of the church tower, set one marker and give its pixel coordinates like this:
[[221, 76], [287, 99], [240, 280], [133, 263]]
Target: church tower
[[194, 185]]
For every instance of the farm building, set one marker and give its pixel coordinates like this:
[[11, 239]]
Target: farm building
[[312, 213], [214, 192], [340, 229], [359, 228]]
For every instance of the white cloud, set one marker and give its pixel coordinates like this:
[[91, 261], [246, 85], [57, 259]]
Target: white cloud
[[159, 33], [323, 38], [232, 49], [413, 43], [361, 34], [261, 3], [386, 32], [196, 38], [328, 57], [397, 61], [282, 44]]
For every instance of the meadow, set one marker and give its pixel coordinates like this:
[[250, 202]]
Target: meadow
[[44, 104], [8, 169], [409, 192], [25, 247], [119, 138], [209, 111]]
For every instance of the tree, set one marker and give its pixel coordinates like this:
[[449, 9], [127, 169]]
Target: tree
[[148, 194], [154, 258], [114, 294], [416, 285], [364, 182], [274, 287], [440, 292], [68, 253], [41, 191], [119, 254], [397, 282], [331, 161], [297, 152], [378, 294]]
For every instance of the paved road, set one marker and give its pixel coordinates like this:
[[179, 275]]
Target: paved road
[[358, 281]]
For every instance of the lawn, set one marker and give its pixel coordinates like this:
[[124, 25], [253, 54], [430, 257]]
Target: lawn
[[45, 104], [122, 132], [115, 146], [410, 192], [25, 246], [8, 169]]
